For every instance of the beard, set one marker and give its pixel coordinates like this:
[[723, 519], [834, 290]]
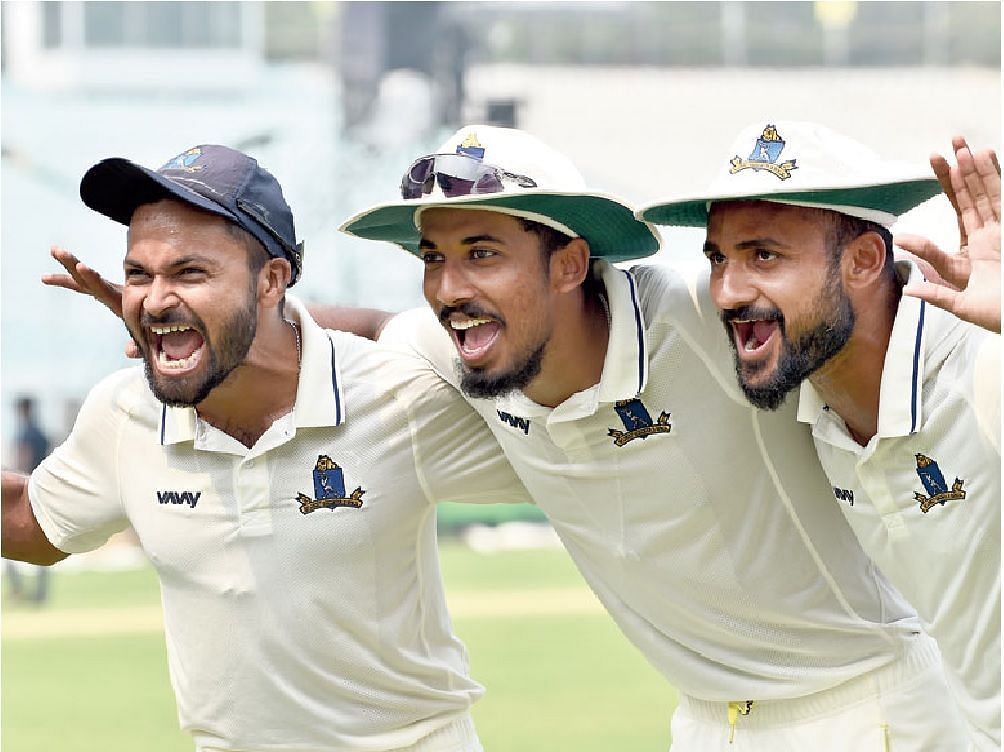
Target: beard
[[819, 341], [480, 384], [236, 336]]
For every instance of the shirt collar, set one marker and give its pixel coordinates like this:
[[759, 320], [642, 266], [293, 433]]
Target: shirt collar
[[320, 400], [625, 369], [902, 370]]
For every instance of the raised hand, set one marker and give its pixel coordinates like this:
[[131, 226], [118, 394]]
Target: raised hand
[[84, 280], [81, 278], [970, 279]]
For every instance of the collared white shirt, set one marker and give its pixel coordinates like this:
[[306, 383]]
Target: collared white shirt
[[924, 495], [303, 605], [704, 526]]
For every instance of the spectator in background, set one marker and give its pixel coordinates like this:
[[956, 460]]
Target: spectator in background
[[30, 447]]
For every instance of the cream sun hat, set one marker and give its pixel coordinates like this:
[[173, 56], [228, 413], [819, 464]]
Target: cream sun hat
[[803, 164], [506, 170]]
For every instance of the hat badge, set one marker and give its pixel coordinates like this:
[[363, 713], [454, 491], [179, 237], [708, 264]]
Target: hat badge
[[766, 151]]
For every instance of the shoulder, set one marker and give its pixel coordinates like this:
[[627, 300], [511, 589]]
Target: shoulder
[[120, 396]]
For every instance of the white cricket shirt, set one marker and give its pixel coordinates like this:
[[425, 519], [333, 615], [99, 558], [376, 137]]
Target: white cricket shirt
[[303, 606], [924, 495], [704, 526]]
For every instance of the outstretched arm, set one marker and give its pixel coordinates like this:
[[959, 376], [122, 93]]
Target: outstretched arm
[[22, 538], [970, 285], [364, 322]]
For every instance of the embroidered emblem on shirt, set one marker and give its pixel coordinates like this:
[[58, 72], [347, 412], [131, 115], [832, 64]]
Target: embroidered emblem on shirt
[[764, 156], [185, 161], [185, 497], [329, 488], [523, 424], [935, 485], [844, 494], [637, 421]]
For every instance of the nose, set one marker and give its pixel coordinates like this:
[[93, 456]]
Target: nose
[[732, 287], [160, 297], [451, 284]]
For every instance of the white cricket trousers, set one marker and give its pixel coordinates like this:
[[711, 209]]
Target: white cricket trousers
[[902, 707]]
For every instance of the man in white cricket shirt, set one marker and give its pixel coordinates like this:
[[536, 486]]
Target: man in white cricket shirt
[[903, 398], [282, 480], [704, 525]]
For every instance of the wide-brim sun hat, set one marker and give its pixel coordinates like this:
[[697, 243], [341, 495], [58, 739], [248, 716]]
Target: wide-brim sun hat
[[804, 164], [528, 178]]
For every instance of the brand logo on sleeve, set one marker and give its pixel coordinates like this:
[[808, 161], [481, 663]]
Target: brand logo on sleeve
[[935, 485], [637, 422], [844, 494], [184, 497], [523, 424], [329, 489]]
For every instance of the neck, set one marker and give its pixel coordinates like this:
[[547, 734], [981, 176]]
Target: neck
[[576, 352], [850, 383], [261, 389]]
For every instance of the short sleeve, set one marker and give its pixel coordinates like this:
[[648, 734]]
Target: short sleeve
[[418, 332], [987, 389], [74, 493], [456, 455]]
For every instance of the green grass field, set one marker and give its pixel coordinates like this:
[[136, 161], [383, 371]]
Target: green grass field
[[89, 672]]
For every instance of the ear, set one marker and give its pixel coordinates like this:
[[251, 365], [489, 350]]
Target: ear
[[863, 261], [570, 265], [273, 279]]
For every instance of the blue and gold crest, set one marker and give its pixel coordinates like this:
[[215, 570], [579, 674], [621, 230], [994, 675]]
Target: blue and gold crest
[[764, 156], [471, 147], [935, 485], [637, 422], [329, 488], [185, 161]]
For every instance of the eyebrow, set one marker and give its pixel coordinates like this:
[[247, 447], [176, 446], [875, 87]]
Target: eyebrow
[[746, 245], [426, 244], [183, 261]]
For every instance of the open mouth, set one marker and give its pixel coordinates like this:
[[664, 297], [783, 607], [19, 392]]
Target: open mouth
[[753, 336], [474, 337], [176, 348]]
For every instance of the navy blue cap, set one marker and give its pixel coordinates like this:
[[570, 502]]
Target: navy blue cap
[[213, 178]]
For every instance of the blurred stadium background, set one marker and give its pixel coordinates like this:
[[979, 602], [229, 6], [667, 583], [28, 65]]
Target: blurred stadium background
[[336, 98]]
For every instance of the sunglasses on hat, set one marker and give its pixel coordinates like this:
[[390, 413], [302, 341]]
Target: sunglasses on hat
[[457, 175]]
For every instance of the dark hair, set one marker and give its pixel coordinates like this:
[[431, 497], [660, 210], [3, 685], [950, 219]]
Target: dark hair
[[551, 240], [842, 229], [257, 255]]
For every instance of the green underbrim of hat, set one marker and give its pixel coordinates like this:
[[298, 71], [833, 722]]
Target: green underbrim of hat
[[609, 227], [891, 198]]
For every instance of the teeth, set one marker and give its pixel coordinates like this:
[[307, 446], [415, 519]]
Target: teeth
[[469, 323], [168, 364], [169, 329], [751, 343]]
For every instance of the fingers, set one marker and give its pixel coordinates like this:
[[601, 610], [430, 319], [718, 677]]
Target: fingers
[[947, 269], [988, 170], [62, 280], [942, 297], [943, 171]]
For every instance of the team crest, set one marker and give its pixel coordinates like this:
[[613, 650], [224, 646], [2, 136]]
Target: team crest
[[764, 156], [329, 489], [471, 147], [637, 422], [185, 161], [935, 485]]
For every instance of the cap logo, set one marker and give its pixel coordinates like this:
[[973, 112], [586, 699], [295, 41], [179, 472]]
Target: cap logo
[[184, 161], [764, 156], [471, 147]]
